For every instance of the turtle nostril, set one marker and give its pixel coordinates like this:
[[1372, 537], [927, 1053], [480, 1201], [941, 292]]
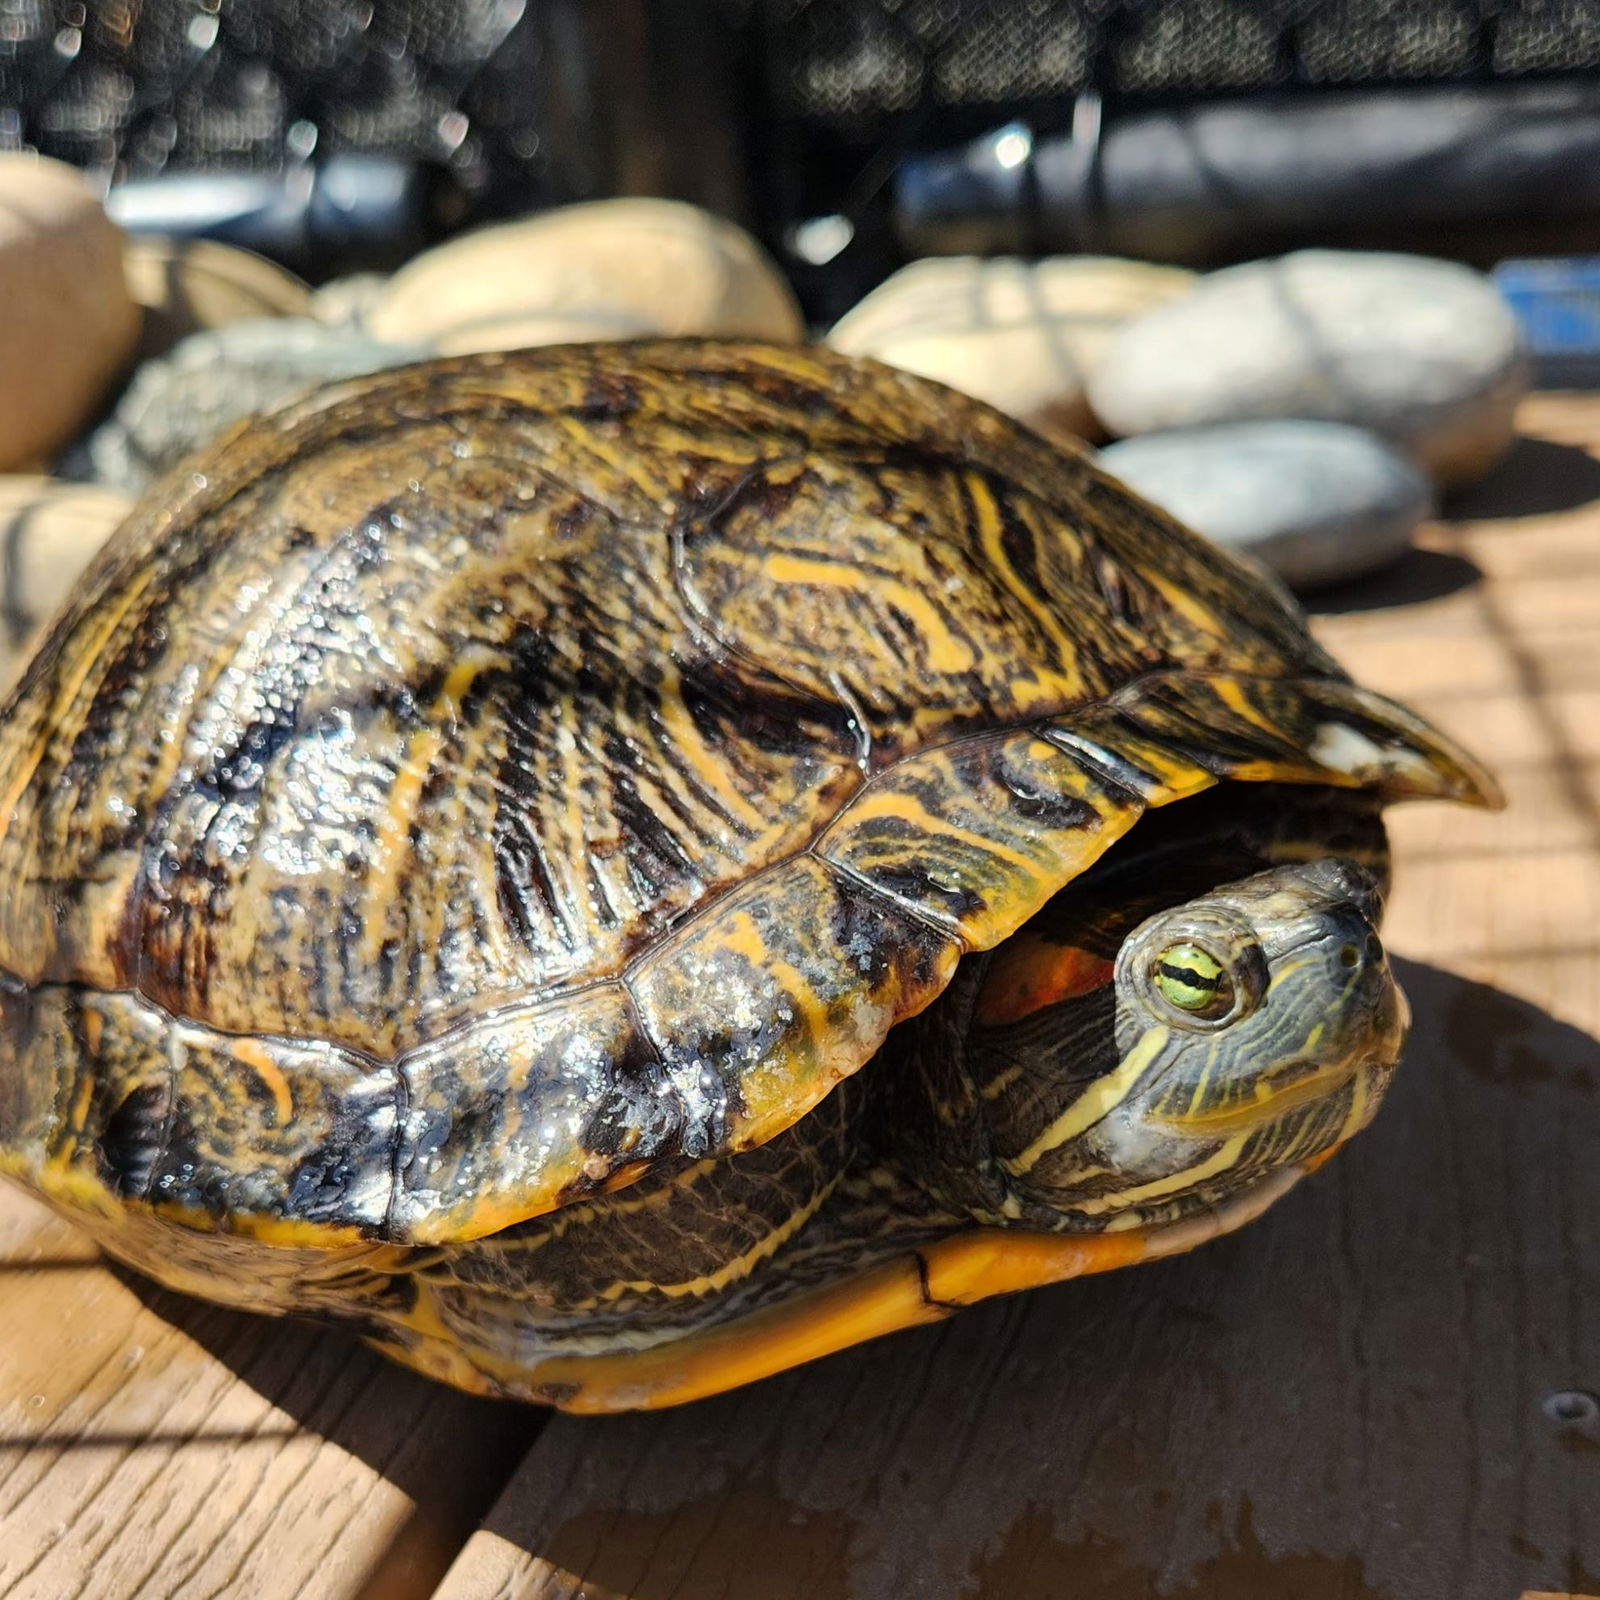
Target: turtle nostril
[[1349, 956]]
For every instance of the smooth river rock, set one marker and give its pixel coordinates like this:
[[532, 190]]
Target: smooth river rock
[[214, 378], [49, 533], [347, 302], [69, 324], [185, 285], [1317, 502], [1424, 352], [1025, 336], [607, 269]]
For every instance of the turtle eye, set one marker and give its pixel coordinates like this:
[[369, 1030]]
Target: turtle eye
[[1191, 980]]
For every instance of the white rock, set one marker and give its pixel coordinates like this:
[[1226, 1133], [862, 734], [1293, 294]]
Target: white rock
[[347, 302], [50, 532], [1317, 502], [1023, 336], [607, 269], [1424, 352], [185, 285]]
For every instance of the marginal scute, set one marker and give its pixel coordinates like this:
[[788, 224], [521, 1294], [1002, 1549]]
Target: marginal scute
[[784, 988], [287, 1142], [1381, 745], [977, 834], [1283, 730], [524, 1110]]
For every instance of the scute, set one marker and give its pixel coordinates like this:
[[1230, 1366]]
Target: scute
[[779, 992], [557, 764], [870, 579], [971, 833], [109, 1102]]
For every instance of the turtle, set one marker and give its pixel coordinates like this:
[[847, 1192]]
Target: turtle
[[616, 870]]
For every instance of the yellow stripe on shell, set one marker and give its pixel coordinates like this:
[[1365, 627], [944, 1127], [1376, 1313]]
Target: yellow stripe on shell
[[991, 533], [901, 805], [76, 1190], [628, 464], [1199, 616], [250, 1053], [1231, 693], [423, 750], [90, 655], [946, 653], [66, 1186], [681, 734], [284, 1233]]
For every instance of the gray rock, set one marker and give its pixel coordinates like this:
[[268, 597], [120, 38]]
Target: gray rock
[[1424, 352], [1317, 502], [214, 378]]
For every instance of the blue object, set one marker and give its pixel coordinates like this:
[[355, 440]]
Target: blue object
[[1556, 302]]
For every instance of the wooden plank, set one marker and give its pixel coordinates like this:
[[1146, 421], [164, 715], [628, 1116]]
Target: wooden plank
[[1381, 1391], [154, 1447]]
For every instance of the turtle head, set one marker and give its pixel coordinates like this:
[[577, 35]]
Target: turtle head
[[1250, 1030]]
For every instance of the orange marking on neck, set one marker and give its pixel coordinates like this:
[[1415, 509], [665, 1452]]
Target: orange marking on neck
[[1029, 973]]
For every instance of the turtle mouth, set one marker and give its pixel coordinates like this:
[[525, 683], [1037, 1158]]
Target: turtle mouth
[[1191, 1164]]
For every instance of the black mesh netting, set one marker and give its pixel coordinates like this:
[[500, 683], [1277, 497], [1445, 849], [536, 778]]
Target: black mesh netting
[[771, 110], [859, 59], [144, 86]]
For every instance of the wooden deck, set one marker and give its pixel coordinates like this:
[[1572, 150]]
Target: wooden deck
[[1385, 1390]]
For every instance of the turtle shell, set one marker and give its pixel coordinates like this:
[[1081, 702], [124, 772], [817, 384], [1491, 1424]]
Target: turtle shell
[[482, 784]]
